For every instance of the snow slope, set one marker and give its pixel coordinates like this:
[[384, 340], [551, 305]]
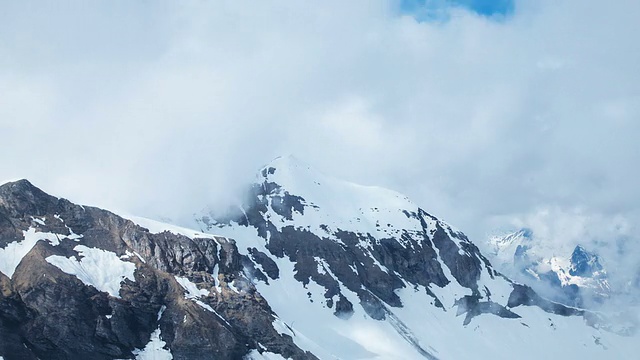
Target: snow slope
[[155, 348], [99, 268], [13, 253], [418, 328]]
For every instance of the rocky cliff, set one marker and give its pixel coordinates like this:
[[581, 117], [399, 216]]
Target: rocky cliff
[[78, 282], [308, 267]]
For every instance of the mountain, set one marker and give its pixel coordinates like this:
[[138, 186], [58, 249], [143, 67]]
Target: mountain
[[389, 279], [77, 282], [574, 277], [308, 267]]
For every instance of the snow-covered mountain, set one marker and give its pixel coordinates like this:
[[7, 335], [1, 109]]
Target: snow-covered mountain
[[399, 282], [78, 282], [573, 276], [308, 267]]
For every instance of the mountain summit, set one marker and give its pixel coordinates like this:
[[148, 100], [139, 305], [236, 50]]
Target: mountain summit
[[362, 257], [310, 267], [78, 282]]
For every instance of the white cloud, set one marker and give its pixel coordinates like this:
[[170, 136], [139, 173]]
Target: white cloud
[[164, 107]]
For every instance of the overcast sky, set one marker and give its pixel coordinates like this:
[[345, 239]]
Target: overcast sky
[[524, 115]]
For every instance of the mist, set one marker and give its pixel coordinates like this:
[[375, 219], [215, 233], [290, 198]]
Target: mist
[[161, 109]]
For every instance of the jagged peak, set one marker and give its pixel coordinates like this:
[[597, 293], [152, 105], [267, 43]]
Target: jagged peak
[[300, 178], [19, 183], [520, 234], [288, 161], [526, 233], [22, 186], [288, 165], [579, 248], [514, 238], [22, 196], [580, 252]]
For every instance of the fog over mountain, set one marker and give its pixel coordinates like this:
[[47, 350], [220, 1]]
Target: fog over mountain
[[494, 123], [309, 267]]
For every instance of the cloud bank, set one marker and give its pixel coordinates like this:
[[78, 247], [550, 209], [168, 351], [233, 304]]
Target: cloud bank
[[166, 107]]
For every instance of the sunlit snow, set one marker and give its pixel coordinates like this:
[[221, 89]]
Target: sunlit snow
[[13, 253], [194, 294], [418, 326], [155, 348], [99, 268]]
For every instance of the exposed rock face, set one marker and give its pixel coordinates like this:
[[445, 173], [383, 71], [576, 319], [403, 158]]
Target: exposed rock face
[[352, 257], [584, 263], [361, 271], [48, 313], [373, 261]]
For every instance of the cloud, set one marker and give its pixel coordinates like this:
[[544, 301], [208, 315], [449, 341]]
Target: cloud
[[166, 107]]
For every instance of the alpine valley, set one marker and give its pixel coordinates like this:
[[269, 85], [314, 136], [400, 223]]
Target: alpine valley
[[307, 267]]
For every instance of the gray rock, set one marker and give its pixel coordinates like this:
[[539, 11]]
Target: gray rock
[[48, 314]]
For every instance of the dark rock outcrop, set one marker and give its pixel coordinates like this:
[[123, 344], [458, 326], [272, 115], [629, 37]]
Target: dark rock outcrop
[[371, 267], [197, 293], [49, 314]]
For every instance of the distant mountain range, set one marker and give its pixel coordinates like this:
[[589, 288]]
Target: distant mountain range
[[573, 277]]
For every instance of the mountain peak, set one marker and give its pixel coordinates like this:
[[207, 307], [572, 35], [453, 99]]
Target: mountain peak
[[337, 197], [364, 256], [584, 263], [288, 161], [507, 244], [288, 166], [309, 249], [18, 184], [22, 196]]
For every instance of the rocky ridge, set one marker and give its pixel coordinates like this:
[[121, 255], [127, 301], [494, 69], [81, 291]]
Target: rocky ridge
[[188, 287], [357, 250], [308, 267]]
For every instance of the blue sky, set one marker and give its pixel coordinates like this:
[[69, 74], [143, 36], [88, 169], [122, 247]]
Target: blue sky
[[436, 8]]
